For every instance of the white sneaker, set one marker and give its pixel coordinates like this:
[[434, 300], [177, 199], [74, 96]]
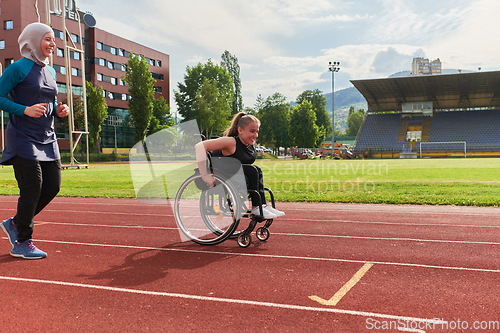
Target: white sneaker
[[274, 211], [267, 214]]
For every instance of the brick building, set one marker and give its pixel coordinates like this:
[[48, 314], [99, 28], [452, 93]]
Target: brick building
[[105, 58]]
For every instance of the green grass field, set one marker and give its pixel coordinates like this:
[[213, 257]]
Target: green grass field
[[458, 181]]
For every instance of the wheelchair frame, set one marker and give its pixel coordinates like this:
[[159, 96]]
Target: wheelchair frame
[[220, 210]]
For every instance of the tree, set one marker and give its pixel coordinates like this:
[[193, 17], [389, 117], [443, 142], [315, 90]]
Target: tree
[[354, 122], [141, 85], [212, 108], [230, 63], [97, 112], [79, 118], [193, 79], [161, 117], [318, 101], [274, 115], [303, 125]]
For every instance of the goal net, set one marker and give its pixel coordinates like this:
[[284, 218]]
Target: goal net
[[443, 147]]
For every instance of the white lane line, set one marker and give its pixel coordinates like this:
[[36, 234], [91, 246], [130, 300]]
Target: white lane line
[[398, 239], [224, 300], [416, 210], [276, 256], [285, 219]]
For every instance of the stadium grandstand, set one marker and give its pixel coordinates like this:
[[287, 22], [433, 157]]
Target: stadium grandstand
[[430, 116]]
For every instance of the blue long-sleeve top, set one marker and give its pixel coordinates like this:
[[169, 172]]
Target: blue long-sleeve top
[[25, 83]]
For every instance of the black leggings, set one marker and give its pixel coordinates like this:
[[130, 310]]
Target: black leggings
[[38, 182], [255, 181]]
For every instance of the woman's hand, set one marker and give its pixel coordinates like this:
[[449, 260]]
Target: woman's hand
[[35, 111], [209, 179], [62, 110]]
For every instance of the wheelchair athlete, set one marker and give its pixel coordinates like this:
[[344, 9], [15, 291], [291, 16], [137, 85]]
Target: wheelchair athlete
[[239, 142]]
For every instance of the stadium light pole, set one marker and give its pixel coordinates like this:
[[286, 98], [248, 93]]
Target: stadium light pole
[[333, 67]]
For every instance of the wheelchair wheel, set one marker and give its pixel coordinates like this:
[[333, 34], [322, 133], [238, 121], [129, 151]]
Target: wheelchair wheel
[[262, 234], [206, 216], [244, 240]]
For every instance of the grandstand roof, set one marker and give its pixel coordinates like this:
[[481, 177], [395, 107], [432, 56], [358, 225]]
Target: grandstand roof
[[446, 91]]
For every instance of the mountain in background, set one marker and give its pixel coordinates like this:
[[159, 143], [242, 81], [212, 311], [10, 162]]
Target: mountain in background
[[344, 99]]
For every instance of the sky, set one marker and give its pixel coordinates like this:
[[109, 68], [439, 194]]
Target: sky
[[285, 45]]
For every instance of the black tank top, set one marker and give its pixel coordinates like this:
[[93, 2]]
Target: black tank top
[[244, 153]]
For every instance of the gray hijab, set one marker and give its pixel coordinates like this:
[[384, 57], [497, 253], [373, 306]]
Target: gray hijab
[[30, 42]]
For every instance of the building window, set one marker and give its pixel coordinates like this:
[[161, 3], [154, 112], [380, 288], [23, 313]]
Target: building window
[[77, 90], [8, 61], [99, 77], [61, 88], [124, 68], [62, 70], [124, 97], [158, 62], [113, 81], [113, 50], [120, 52], [74, 71], [99, 45], [60, 52], [111, 65], [110, 95], [122, 83], [75, 38], [102, 62], [2, 45], [75, 55], [8, 25], [157, 90], [58, 33]]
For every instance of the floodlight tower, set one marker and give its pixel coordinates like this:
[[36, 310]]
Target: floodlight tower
[[333, 67]]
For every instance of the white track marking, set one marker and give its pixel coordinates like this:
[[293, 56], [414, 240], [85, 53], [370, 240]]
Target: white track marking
[[486, 270], [399, 239], [294, 219], [222, 300]]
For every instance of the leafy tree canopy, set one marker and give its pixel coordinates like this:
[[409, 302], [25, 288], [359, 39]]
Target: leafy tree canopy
[[212, 109], [161, 117], [193, 80], [230, 63], [318, 102], [97, 112], [303, 125], [274, 115], [141, 91], [354, 121]]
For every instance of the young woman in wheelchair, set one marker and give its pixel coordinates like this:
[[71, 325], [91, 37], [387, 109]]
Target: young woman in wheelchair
[[239, 142]]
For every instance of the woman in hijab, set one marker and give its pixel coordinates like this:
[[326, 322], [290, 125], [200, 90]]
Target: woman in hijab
[[28, 92]]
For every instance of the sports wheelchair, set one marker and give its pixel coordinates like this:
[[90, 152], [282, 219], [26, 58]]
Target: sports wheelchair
[[209, 216]]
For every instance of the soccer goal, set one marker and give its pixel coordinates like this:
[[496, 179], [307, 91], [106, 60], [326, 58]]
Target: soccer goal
[[444, 146]]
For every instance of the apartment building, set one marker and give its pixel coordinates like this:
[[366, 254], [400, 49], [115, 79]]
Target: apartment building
[[422, 66], [105, 58]]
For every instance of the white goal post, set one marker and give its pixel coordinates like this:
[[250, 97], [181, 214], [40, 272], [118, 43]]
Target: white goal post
[[445, 146]]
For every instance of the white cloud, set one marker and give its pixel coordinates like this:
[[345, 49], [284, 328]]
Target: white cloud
[[284, 45], [474, 43]]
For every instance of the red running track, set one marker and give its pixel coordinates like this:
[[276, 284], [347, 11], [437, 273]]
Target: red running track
[[119, 265]]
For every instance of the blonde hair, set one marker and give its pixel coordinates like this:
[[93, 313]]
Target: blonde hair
[[241, 119]]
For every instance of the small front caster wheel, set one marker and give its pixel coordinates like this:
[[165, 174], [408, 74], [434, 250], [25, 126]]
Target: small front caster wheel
[[244, 240], [262, 233]]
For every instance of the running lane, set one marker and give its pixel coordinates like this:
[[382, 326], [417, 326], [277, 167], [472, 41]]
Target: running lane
[[119, 264]]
